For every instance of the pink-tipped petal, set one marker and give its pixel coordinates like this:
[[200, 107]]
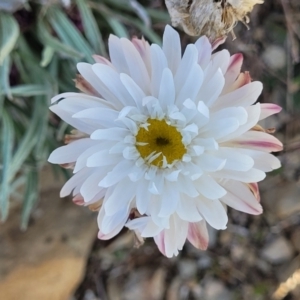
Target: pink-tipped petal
[[102, 60], [255, 190], [219, 41], [243, 96], [258, 140], [108, 236], [243, 79], [241, 198], [78, 200], [269, 109], [143, 47], [234, 69], [198, 235], [160, 242]]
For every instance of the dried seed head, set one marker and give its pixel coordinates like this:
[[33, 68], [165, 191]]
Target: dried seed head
[[213, 18]]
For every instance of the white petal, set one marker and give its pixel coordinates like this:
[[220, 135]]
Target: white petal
[[121, 195], [187, 209], [172, 48], [175, 236], [239, 113], [111, 79], [244, 96], [145, 226], [90, 186], [209, 188], [133, 89], [191, 85], [166, 95], [120, 171], [241, 198], [86, 71], [137, 69], [82, 159], [253, 117], [203, 109], [220, 128], [108, 224], [116, 54], [81, 125], [204, 51], [158, 65], [213, 212], [142, 196], [170, 199], [102, 117], [153, 210], [211, 88], [253, 175], [210, 163], [235, 160], [186, 186], [221, 60], [189, 60], [111, 134], [208, 143], [70, 152], [131, 153], [75, 181], [262, 160], [102, 158]]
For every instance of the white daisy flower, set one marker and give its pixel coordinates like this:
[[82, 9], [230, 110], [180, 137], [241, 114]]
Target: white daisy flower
[[165, 140]]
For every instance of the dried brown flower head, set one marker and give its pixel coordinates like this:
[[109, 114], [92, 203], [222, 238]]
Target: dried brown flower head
[[213, 18]]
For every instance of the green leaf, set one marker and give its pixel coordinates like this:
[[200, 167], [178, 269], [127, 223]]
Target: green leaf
[[28, 141], [148, 32], [68, 33], [41, 132], [140, 11], [9, 32], [127, 19], [159, 15], [7, 149], [47, 55], [91, 28], [117, 27], [4, 78], [54, 43], [122, 5], [27, 90], [30, 197]]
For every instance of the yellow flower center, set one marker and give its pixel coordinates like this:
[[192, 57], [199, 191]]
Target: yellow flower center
[[160, 138]]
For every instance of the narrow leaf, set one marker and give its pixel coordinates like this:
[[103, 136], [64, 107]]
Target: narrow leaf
[[27, 90], [54, 43], [47, 55], [27, 143], [118, 28], [91, 28], [30, 197], [68, 33], [9, 32], [4, 78], [7, 149]]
